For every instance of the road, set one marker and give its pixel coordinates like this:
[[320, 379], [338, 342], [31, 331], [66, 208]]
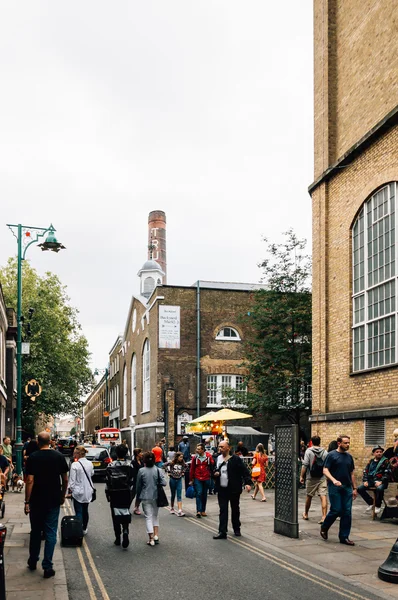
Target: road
[[187, 562]]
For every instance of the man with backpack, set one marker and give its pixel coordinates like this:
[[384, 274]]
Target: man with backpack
[[119, 486], [200, 473], [312, 471]]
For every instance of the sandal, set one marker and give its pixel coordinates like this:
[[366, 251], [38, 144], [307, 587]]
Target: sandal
[[253, 497], [305, 517], [264, 500]]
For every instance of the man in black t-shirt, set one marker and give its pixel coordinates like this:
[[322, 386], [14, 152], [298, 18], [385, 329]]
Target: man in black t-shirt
[[339, 470], [46, 485]]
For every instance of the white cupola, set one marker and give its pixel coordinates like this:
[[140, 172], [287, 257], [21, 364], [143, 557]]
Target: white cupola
[[151, 275]]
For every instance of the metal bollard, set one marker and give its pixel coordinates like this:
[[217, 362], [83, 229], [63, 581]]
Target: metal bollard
[[3, 534]]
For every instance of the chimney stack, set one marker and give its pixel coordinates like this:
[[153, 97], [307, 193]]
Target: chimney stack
[[157, 239]]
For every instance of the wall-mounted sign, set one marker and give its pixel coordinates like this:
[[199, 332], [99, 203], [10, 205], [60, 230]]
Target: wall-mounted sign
[[182, 420], [25, 348], [33, 389], [169, 326]]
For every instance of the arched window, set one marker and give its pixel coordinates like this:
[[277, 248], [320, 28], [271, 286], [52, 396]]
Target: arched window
[[124, 392], [149, 285], [374, 281], [146, 387], [134, 385], [229, 334]]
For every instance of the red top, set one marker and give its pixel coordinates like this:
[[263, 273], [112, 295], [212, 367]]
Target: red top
[[201, 469], [158, 452]]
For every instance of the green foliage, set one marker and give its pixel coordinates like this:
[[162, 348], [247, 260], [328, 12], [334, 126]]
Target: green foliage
[[72, 431], [278, 350], [59, 352]]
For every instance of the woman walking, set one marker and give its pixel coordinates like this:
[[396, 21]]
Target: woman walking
[[147, 492], [259, 462], [80, 484], [176, 469], [137, 464]]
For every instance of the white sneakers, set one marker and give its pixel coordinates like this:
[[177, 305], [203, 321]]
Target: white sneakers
[[85, 531], [377, 510], [180, 514], [369, 509]]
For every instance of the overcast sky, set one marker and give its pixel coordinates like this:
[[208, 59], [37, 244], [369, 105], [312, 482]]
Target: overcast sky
[[109, 110]]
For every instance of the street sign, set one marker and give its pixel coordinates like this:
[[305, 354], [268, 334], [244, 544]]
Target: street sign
[[33, 389], [25, 348]]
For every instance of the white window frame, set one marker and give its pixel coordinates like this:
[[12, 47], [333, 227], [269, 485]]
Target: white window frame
[[146, 377], [134, 385], [216, 383], [221, 335], [374, 282], [125, 392]]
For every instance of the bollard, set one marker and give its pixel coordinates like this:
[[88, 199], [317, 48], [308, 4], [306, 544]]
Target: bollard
[[3, 533], [388, 571]]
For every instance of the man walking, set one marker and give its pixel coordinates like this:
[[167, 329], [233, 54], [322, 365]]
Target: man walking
[[230, 474], [339, 470], [46, 485], [314, 460], [200, 476]]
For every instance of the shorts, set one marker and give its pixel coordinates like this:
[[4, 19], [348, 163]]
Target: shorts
[[316, 486]]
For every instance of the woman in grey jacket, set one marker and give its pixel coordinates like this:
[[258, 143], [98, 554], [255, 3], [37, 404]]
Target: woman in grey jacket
[[147, 481]]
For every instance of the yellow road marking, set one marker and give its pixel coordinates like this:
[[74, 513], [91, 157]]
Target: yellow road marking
[[86, 575], [285, 565], [95, 571]]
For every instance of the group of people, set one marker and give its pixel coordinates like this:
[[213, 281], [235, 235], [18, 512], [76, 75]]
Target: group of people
[[331, 472], [49, 480]]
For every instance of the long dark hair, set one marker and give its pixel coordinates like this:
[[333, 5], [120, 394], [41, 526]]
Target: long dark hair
[[149, 459], [176, 457]]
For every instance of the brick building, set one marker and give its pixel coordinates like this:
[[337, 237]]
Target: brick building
[[354, 197]]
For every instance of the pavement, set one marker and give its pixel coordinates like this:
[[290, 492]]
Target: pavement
[[20, 582], [357, 565]]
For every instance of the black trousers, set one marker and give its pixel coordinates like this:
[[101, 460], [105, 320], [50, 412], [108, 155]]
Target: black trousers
[[226, 497]]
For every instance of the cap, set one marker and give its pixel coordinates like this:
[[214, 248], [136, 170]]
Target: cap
[[184, 437], [377, 448]]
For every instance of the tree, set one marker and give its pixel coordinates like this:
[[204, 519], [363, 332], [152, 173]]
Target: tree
[[59, 354], [72, 431], [278, 350]]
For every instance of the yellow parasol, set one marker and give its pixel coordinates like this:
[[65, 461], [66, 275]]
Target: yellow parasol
[[207, 417], [227, 414]]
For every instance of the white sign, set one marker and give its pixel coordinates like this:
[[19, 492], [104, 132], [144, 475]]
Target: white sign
[[169, 326], [182, 420], [25, 348]]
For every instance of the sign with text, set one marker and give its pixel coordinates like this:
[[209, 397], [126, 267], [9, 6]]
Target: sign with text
[[169, 327]]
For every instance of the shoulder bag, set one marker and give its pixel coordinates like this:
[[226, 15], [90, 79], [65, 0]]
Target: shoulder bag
[[94, 496], [162, 498], [256, 469]]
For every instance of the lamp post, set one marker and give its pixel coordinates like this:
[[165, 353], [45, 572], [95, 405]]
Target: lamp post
[[106, 373], [26, 236]]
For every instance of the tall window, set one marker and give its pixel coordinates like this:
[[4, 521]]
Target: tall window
[[374, 281], [146, 387], [125, 392], [225, 389], [134, 385]]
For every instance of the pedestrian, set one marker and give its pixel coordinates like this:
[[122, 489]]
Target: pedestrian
[[200, 477], [46, 485], [312, 474], [7, 451], [119, 492], [230, 475], [176, 469], [158, 453], [333, 446], [80, 484], [259, 462], [147, 491], [376, 476], [171, 454], [339, 470], [112, 451], [4, 468], [184, 447], [137, 464]]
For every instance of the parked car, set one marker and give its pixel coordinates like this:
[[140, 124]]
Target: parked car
[[100, 459], [66, 446]]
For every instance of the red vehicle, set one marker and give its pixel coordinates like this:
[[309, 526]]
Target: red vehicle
[[107, 435]]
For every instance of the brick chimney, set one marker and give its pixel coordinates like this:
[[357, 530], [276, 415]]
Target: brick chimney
[[157, 239]]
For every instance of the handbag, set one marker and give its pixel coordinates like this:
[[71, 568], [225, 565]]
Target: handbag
[[256, 469], [94, 496], [162, 498]]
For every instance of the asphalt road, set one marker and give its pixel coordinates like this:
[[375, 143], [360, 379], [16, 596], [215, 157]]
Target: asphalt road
[[187, 563]]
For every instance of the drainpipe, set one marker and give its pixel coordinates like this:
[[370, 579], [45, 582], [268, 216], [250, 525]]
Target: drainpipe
[[197, 349]]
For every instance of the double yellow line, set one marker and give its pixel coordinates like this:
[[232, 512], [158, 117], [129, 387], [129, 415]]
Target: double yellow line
[[284, 564], [82, 560]]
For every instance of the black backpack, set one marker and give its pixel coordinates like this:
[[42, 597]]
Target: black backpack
[[316, 468], [118, 476]]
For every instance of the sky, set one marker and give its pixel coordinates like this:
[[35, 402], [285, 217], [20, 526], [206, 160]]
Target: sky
[[109, 110]]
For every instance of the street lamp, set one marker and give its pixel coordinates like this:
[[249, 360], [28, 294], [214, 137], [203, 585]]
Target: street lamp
[[106, 373], [26, 236]]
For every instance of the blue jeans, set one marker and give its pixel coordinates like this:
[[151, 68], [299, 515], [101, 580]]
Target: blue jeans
[[340, 506], [379, 493], [201, 489], [81, 511], [175, 488], [47, 521]]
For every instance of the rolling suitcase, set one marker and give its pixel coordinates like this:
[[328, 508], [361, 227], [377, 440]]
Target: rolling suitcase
[[71, 531]]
